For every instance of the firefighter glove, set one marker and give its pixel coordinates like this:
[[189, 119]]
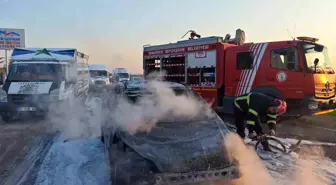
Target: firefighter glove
[[271, 132]]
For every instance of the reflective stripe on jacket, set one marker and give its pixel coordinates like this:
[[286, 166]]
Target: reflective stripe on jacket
[[254, 105]]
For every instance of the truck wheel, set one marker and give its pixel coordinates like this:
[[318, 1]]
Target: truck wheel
[[128, 167], [6, 117], [102, 136]]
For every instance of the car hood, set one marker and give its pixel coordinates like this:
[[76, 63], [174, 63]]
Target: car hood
[[182, 147], [135, 85]]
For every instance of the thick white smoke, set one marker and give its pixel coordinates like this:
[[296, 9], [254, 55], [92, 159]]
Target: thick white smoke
[[85, 119], [254, 171], [81, 119], [160, 104]]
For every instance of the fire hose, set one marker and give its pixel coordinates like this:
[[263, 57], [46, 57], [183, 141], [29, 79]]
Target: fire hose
[[279, 146], [265, 141]]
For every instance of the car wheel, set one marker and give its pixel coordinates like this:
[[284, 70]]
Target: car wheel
[[128, 167]]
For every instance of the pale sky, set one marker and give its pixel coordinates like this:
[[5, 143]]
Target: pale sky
[[113, 32]]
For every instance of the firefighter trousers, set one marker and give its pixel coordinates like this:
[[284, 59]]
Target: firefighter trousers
[[240, 122]]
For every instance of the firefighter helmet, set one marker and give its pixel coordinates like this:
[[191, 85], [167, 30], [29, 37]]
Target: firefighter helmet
[[281, 106]]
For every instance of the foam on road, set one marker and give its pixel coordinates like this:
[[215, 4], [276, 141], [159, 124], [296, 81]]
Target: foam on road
[[84, 162], [79, 162], [295, 169]]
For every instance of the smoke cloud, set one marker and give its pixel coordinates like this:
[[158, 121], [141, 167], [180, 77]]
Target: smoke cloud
[[111, 109], [250, 166], [160, 103], [304, 170], [76, 118]]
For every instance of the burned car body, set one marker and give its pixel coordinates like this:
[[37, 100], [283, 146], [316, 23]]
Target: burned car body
[[183, 151]]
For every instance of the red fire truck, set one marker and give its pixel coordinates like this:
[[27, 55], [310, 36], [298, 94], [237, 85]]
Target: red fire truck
[[219, 69]]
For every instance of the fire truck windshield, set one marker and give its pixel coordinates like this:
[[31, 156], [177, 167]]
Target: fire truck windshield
[[315, 51]]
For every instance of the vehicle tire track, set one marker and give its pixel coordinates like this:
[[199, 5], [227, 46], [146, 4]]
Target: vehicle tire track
[[79, 162], [24, 173]]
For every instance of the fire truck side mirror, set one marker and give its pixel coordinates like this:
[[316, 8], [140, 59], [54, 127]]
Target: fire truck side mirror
[[318, 48]]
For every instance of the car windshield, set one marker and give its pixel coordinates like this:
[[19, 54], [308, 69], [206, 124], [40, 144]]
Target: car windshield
[[123, 75], [136, 80], [36, 72], [98, 73], [315, 51]]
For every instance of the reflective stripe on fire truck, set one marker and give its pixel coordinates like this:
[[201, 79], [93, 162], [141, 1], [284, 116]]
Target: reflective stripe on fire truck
[[243, 74], [247, 76]]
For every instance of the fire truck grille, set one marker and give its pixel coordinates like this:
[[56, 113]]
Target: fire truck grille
[[325, 91]]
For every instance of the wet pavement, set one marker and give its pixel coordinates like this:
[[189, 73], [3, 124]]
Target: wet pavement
[[25, 146], [20, 143]]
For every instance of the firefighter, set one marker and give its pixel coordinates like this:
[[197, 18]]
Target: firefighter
[[249, 107]]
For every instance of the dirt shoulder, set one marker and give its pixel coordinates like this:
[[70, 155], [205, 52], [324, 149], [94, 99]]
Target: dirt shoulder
[[16, 141]]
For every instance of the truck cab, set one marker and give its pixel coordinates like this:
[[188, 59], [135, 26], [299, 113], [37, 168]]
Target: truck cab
[[120, 75], [41, 77], [298, 71], [99, 75]]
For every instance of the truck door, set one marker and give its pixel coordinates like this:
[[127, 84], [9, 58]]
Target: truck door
[[284, 71]]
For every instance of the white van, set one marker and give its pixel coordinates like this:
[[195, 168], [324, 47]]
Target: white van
[[99, 75], [39, 77], [120, 75]]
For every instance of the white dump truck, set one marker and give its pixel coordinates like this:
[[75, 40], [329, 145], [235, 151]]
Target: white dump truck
[[40, 77]]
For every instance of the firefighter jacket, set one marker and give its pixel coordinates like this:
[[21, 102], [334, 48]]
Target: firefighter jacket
[[255, 105]]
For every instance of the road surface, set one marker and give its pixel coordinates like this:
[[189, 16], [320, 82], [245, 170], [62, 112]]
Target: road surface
[[31, 153], [21, 144]]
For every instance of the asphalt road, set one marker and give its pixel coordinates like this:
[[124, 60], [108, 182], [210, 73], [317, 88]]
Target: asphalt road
[[24, 145], [21, 144]]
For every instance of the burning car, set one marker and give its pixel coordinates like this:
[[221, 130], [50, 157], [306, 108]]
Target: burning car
[[177, 150]]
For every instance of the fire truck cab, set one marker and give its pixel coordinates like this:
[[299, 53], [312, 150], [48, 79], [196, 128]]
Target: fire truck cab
[[219, 69]]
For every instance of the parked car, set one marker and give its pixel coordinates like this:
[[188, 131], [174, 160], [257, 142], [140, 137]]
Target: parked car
[[177, 150]]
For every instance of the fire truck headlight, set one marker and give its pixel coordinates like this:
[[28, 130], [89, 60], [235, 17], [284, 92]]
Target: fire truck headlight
[[3, 96]]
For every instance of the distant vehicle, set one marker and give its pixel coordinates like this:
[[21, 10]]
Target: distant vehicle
[[40, 77], [99, 75], [136, 78], [120, 75], [134, 86], [178, 150]]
